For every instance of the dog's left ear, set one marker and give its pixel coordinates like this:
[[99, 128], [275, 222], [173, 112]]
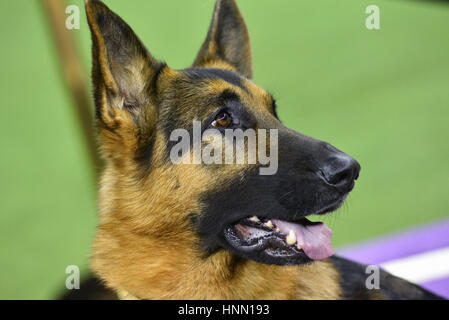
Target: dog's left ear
[[227, 40]]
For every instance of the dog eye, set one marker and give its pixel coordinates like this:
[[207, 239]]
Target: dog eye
[[222, 120]]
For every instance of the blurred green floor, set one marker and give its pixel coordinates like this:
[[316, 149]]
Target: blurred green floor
[[381, 96]]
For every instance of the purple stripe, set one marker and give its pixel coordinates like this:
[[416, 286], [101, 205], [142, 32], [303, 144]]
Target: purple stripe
[[412, 241], [440, 286]]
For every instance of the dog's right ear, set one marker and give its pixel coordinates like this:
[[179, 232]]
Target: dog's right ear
[[123, 71]]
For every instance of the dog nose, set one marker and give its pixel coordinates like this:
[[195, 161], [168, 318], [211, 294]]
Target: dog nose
[[341, 172]]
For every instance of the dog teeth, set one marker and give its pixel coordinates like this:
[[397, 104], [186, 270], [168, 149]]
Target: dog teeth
[[298, 247], [278, 230], [291, 238], [269, 224], [254, 219]]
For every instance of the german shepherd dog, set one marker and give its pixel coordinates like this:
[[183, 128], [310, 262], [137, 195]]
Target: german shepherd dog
[[218, 231]]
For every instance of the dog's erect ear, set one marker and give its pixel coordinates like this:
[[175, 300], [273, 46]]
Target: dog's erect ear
[[123, 70], [227, 39]]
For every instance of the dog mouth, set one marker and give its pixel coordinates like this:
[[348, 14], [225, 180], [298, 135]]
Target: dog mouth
[[282, 242], [280, 238]]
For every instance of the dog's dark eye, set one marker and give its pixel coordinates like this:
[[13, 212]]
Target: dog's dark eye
[[222, 120]]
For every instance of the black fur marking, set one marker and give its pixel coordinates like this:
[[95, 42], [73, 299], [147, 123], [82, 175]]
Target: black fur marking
[[228, 95], [274, 106], [145, 152], [153, 85], [199, 74], [353, 277], [91, 288]]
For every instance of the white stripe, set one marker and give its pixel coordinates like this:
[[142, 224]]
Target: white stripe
[[421, 267]]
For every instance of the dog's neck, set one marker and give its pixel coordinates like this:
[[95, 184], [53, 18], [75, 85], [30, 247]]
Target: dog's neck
[[154, 269]]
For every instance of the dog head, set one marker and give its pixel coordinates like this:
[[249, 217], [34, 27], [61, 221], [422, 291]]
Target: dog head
[[153, 188]]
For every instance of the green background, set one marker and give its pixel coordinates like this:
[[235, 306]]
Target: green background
[[381, 96]]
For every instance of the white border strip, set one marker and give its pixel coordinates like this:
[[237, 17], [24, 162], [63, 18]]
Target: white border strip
[[421, 267]]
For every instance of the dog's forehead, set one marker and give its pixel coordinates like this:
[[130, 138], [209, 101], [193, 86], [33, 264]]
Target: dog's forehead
[[205, 74], [203, 83]]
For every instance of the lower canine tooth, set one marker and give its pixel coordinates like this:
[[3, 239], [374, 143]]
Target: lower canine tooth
[[254, 219], [291, 238], [278, 230], [298, 247], [269, 224]]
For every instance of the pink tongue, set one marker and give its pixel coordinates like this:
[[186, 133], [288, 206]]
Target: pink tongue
[[314, 238]]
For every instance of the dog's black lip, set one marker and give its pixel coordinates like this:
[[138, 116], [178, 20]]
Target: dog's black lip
[[328, 209], [273, 243]]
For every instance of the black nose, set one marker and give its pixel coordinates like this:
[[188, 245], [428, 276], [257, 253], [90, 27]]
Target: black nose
[[341, 171]]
